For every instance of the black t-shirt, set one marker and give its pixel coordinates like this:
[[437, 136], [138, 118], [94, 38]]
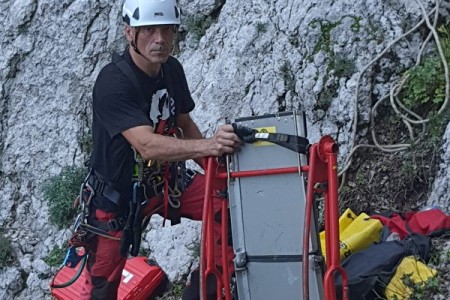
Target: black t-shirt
[[117, 107]]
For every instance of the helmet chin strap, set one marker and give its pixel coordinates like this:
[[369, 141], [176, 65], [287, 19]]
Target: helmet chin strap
[[135, 48], [134, 44]]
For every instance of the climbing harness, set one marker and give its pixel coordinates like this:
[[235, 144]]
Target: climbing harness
[[162, 181], [82, 231], [86, 226]]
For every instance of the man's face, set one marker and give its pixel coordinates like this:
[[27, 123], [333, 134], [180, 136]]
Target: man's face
[[154, 42]]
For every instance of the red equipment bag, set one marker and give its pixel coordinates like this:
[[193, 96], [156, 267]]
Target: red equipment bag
[[140, 281], [432, 223]]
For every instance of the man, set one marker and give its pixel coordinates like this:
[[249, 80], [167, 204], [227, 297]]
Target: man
[[141, 127]]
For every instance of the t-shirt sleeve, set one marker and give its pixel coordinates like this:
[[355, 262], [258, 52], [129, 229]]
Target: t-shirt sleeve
[[115, 103]]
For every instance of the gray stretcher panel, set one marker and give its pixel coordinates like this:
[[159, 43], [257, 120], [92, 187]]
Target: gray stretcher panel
[[267, 217]]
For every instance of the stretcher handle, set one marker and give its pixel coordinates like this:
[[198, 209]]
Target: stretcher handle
[[293, 142]]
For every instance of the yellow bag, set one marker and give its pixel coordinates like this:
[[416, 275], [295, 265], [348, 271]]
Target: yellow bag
[[355, 233], [416, 270]]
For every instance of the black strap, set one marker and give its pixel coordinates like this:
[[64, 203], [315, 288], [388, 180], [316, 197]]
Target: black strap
[[132, 231], [116, 224], [127, 70], [249, 135], [129, 73], [104, 188]]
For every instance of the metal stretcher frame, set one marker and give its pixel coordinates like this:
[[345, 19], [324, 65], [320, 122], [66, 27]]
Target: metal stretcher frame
[[322, 178]]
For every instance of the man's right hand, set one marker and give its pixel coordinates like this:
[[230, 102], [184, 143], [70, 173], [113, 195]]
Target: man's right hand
[[224, 141]]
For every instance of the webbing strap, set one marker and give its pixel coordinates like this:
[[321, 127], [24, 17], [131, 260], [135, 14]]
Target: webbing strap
[[129, 73], [98, 231], [166, 193], [115, 224], [104, 188]]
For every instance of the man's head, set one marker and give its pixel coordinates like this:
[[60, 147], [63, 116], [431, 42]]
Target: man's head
[[150, 27]]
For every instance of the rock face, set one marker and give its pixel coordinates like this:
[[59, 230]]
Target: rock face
[[255, 57], [440, 195]]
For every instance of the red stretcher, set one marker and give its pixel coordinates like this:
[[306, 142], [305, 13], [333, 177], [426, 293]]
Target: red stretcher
[[322, 168]]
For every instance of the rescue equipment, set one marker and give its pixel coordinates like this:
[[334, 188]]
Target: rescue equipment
[[369, 271], [82, 231], [267, 243], [415, 270], [151, 12], [141, 280], [432, 222], [288, 172], [167, 178], [355, 233]]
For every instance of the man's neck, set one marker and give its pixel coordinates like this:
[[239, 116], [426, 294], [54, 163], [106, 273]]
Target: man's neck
[[142, 63]]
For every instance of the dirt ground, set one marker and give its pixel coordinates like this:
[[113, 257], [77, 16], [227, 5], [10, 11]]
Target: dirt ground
[[399, 182]]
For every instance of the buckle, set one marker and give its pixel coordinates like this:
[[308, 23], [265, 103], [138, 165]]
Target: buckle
[[116, 224], [96, 184], [190, 173]]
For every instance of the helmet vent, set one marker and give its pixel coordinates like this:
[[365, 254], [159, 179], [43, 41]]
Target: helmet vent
[[136, 14]]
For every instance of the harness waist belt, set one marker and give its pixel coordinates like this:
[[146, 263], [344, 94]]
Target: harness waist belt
[[104, 188], [116, 224]]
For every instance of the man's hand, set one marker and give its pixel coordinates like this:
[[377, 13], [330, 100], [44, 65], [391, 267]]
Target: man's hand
[[153, 146], [224, 141]]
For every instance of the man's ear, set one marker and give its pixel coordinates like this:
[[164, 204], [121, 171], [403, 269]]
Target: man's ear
[[128, 33]]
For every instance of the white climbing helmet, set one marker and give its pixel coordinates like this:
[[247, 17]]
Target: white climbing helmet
[[151, 12]]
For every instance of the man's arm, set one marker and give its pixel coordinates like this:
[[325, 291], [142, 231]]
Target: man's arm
[[190, 131], [154, 146]]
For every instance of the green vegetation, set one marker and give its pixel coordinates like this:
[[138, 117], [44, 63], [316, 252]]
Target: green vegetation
[[6, 256], [421, 290], [324, 42], [326, 96], [401, 180], [342, 66], [409, 168], [197, 25], [426, 84], [176, 290], [194, 247], [425, 93], [144, 251], [436, 127], [288, 77], [325, 37], [85, 142], [261, 27], [375, 31], [439, 256], [356, 26], [445, 41], [60, 192], [56, 257]]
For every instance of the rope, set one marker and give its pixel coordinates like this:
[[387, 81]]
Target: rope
[[408, 117], [73, 279]]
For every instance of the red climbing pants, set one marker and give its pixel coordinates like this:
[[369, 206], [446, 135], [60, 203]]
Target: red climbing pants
[[103, 271]]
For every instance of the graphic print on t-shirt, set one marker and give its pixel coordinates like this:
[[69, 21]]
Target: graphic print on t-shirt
[[161, 107]]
